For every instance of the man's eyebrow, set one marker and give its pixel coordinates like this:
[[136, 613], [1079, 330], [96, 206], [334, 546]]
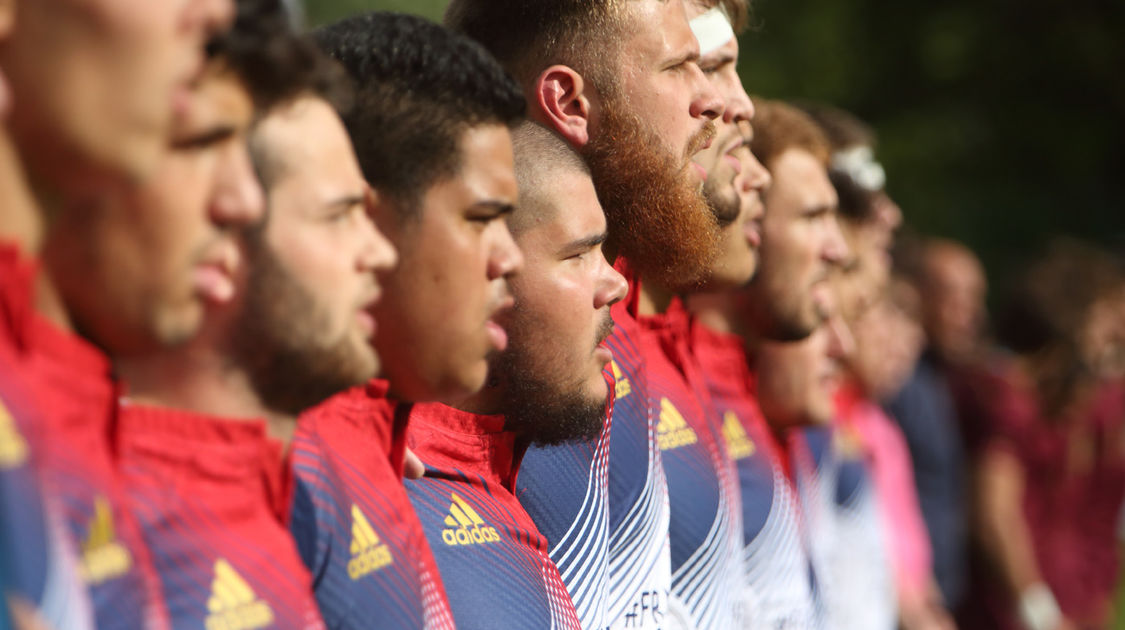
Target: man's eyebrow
[[500, 207], [819, 209], [347, 201], [210, 137], [691, 54], [587, 243]]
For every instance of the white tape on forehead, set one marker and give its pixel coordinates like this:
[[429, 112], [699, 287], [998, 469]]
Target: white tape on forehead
[[713, 30]]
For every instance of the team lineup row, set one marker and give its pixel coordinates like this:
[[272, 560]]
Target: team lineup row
[[530, 320]]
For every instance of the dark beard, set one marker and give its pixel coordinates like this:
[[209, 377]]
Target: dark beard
[[657, 218], [544, 413], [273, 339], [724, 209]]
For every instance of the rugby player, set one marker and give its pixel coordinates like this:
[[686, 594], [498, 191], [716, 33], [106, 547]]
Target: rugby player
[[621, 83], [88, 90], [546, 388], [869, 218], [801, 244], [283, 332], [431, 130]]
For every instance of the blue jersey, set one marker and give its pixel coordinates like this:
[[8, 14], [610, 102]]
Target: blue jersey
[[781, 587], [705, 527], [353, 522], [640, 569], [37, 559], [211, 496], [493, 560], [564, 489]]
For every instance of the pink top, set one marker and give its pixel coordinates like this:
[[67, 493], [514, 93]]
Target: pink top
[[908, 544]]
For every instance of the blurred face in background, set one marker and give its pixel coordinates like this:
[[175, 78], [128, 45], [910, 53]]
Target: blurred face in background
[[797, 379], [953, 302], [138, 269], [801, 246], [97, 83], [888, 341]]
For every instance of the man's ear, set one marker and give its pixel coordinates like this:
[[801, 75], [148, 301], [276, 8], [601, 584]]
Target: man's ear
[[562, 102]]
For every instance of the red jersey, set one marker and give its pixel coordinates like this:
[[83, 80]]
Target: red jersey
[[211, 495], [354, 525], [494, 561], [72, 385], [37, 559], [1074, 469]]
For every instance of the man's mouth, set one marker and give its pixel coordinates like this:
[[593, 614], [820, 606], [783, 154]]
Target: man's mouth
[[213, 276]]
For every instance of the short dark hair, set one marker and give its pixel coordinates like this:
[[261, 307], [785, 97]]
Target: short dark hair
[[273, 60], [528, 36], [418, 88]]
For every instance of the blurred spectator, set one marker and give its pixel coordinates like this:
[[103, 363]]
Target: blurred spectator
[[1050, 471], [887, 344], [951, 285]]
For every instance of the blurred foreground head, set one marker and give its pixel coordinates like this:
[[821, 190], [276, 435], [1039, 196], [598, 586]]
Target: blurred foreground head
[[95, 85], [138, 269]]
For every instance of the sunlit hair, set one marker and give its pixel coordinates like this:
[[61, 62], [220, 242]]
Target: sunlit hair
[[779, 127]]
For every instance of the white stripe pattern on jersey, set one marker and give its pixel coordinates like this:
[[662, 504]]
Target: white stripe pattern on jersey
[[778, 593], [639, 553], [582, 554]]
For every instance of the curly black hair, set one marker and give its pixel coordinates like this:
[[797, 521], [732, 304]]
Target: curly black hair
[[418, 88]]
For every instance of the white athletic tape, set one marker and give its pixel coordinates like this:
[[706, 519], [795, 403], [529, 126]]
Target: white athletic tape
[[859, 164], [713, 30]]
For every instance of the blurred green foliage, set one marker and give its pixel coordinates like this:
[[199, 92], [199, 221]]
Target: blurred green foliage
[[1001, 123]]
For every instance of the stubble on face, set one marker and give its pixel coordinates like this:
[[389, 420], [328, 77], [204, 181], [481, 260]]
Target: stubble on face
[[657, 216], [545, 411], [278, 339]]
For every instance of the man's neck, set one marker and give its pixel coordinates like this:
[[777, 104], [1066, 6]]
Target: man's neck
[[21, 221], [486, 402], [199, 379], [654, 299]]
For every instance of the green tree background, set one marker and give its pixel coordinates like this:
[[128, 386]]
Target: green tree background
[[1001, 122]]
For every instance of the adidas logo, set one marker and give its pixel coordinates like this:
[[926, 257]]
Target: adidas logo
[[673, 431], [103, 556], [465, 526], [369, 554], [739, 445], [233, 604], [622, 388], [13, 448]]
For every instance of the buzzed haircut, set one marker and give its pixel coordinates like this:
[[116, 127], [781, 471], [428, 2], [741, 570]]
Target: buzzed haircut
[[528, 36], [541, 155], [273, 60], [779, 127], [418, 88]]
